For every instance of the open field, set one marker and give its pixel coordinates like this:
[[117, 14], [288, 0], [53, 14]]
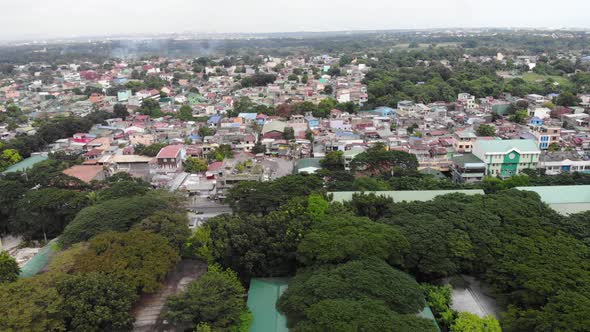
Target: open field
[[534, 77]]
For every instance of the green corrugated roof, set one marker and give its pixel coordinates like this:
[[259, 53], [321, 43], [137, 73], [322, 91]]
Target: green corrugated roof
[[427, 313], [564, 199], [39, 261], [467, 158], [262, 298], [25, 164], [408, 196], [502, 146]]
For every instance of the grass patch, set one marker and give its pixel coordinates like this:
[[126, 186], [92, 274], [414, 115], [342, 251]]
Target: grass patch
[[534, 77]]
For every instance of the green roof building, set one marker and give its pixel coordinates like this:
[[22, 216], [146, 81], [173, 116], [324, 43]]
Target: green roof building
[[262, 299], [506, 158], [25, 164]]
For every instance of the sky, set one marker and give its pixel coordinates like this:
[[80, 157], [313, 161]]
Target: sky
[[26, 19]]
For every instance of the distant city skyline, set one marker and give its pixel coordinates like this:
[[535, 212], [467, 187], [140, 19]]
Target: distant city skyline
[[34, 19]]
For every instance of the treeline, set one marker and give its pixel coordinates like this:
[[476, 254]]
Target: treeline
[[405, 76]]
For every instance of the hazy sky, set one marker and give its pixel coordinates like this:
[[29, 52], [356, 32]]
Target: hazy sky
[[65, 18]]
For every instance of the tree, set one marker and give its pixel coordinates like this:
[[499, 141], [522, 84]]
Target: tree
[[224, 151], [468, 322], [343, 237], [439, 300], [195, 165], [118, 215], [30, 305], [289, 133], [370, 279], [171, 225], [206, 131], [150, 107], [293, 77], [44, 213], [263, 197], [259, 246], [9, 269], [9, 157], [428, 256], [567, 99], [333, 161], [139, 259], [258, 148], [359, 315], [378, 160], [123, 189], [185, 113], [328, 89], [150, 150], [120, 111], [370, 205], [216, 299], [518, 117], [96, 302], [554, 146], [486, 130]]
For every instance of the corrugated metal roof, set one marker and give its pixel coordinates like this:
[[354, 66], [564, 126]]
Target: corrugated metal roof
[[262, 298], [408, 196], [25, 164], [564, 199]]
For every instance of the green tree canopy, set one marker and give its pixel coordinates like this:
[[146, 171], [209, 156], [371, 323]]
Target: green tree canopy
[[359, 315], [486, 130], [216, 299], [169, 224], [378, 160], [96, 302], [356, 280], [30, 305], [140, 259], [342, 237], [468, 322], [118, 215], [9, 269], [195, 165]]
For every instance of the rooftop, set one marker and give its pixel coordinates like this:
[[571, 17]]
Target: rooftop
[[25, 164], [170, 151], [564, 199], [262, 298], [85, 173], [503, 146], [468, 158], [407, 196]]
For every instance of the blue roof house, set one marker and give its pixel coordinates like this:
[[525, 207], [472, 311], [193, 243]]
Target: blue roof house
[[536, 121]]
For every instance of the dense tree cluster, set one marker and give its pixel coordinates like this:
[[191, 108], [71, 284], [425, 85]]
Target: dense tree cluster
[[215, 300], [314, 296], [255, 197], [134, 238]]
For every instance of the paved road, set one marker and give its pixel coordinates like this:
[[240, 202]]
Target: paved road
[[147, 311]]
